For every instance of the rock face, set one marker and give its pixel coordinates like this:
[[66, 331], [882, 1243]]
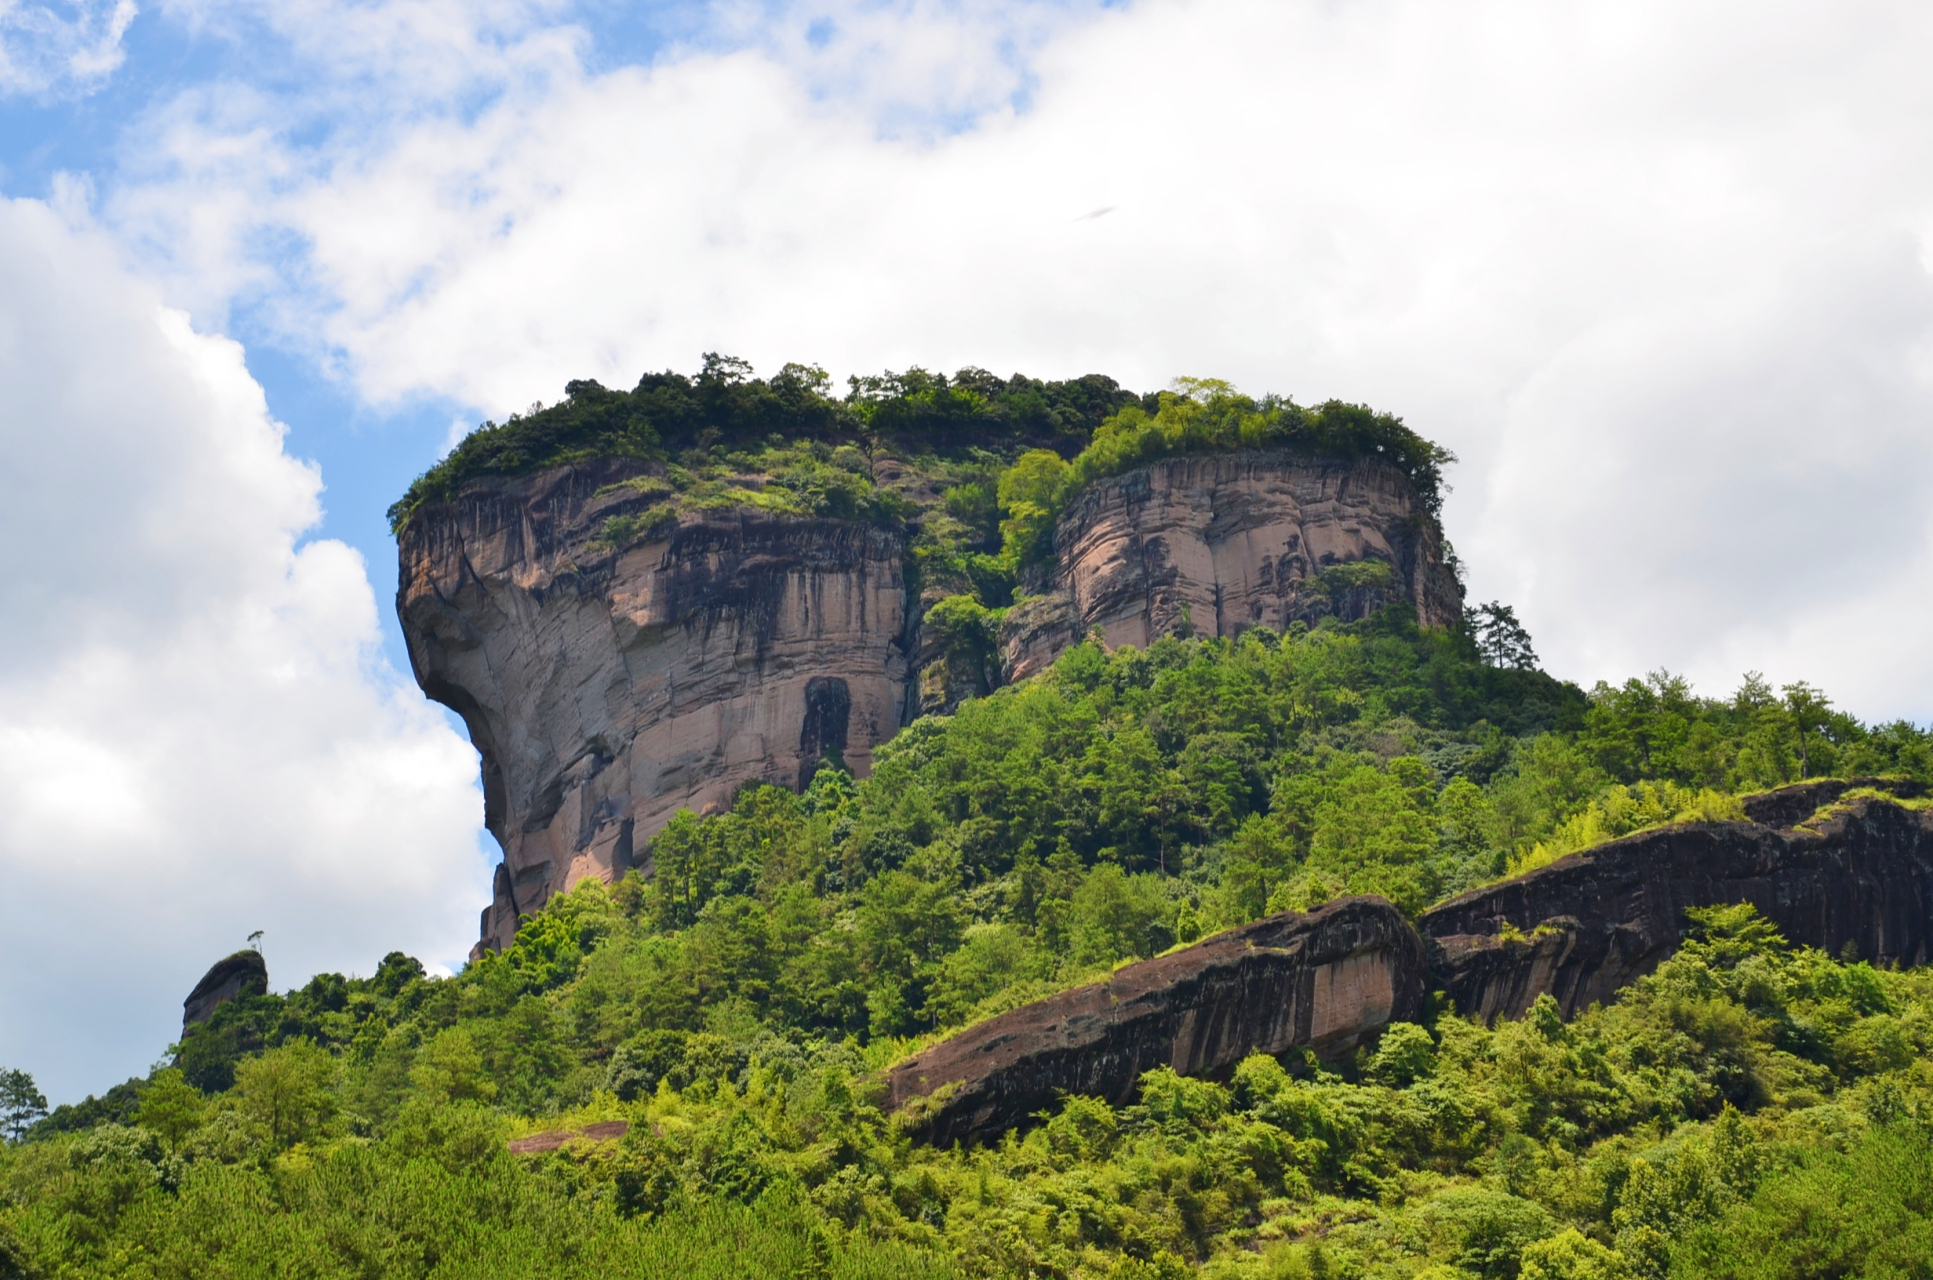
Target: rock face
[[606, 688], [1578, 930], [1329, 981], [1216, 543], [1593, 922], [243, 974]]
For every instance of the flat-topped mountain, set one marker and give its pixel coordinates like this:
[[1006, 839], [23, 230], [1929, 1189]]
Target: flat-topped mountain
[[641, 628]]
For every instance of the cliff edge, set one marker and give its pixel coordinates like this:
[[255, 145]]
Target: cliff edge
[[605, 686]]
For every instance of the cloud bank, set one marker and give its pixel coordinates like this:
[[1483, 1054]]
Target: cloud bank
[[196, 737], [1657, 271]]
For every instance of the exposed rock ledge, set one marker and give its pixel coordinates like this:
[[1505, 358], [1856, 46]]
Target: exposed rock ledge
[[1328, 980], [1578, 930], [1591, 923], [243, 974]]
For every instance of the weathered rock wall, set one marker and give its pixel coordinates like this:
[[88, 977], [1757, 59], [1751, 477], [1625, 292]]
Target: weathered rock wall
[[1220, 542], [606, 689], [1328, 980], [1593, 922]]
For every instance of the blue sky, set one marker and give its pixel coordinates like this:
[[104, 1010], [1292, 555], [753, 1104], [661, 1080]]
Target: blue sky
[[1657, 271]]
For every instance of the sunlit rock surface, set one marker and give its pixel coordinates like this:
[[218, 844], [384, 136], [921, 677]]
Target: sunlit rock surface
[[607, 688], [1215, 543]]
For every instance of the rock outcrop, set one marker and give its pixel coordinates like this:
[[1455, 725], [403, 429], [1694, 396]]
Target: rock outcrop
[[1857, 874], [1328, 981], [607, 687], [243, 974], [1216, 543], [1591, 923], [608, 684]]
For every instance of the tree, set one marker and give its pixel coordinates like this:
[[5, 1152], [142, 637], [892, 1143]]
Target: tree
[[287, 1091], [170, 1106], [1501, 640], [21, 1104], [1809, 709]]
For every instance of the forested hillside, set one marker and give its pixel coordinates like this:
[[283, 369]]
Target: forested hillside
[[1748, 1109]]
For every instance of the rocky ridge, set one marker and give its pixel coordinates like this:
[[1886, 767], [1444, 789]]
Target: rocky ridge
[[1858, 876], [608, 685], [1328, 980], [1856, 873]]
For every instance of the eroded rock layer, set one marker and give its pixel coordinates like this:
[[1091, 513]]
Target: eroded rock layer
[[1589, 924], [1328, 981], [1857, 874], [605, 689]]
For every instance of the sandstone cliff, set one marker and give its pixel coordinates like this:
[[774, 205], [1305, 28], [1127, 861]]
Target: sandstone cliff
[[1328, 981], [243, 974], [1215, 543], [1859, 874], [607, 686]]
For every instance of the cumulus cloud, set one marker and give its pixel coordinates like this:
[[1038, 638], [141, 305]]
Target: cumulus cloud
[[1656, 270], [62, 47], [198, 738]]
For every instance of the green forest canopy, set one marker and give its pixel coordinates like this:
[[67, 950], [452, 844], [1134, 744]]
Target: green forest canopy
[[1750, 1109], [971, 427]]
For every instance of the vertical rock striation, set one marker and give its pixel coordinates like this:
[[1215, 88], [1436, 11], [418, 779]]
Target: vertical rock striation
[[607, 686], [1216, 543]]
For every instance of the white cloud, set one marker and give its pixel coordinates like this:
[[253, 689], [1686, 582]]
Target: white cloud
[[197, 735], [60, 47], [1657, 270]]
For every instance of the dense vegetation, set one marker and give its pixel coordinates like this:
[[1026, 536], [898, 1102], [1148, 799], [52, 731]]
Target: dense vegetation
[[993, 460], [1748, 1110]]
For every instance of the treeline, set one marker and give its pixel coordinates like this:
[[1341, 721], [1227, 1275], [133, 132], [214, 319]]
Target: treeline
[[1746, 1111], [726, 409], [1010, 452], [735, 1007]]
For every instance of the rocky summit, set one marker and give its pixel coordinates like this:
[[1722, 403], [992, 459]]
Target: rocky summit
[[974, 827], [607, 687], [243, 974]]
